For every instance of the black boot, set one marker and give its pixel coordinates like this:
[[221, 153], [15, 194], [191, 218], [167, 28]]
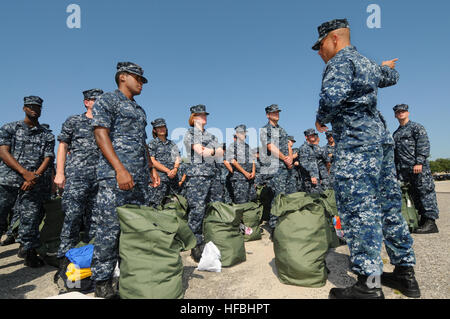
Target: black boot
[[403, 280], [9, 241], [63, 263], [104, 289], [32, 260], [196, 252], [361, 290], [428, 227], [21, 252]]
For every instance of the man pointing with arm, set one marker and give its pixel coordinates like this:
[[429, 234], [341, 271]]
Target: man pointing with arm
[[367, 191]]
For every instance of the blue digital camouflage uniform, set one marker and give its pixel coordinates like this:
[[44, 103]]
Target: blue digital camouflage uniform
[[226, 183], [165, 153], [308, 168], [368, 194], [200, 177], [29, 146], [80, 190], [126, 121], [279, 171], [243, 189], [412, 147], [180, 173], [321, 158], [330, 150]]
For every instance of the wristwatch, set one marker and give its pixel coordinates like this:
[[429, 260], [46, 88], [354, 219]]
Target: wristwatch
[[37, 175]]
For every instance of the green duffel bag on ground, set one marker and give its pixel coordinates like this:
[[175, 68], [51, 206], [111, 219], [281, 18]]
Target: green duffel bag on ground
[[300, 240], [50, 231], [409, 211], [149, 247], [221, 226], [251, 217], [177, 203]]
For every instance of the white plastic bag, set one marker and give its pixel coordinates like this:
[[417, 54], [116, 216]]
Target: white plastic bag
[[210, 260]]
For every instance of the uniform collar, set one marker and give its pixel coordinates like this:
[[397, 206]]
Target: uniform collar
[[123, 97]]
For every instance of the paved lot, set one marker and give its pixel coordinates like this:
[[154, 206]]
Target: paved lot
[[256, 278]]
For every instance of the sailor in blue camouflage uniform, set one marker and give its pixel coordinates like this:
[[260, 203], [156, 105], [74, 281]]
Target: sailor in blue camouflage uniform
[[274, 142], [321, 158], [329, 151], [123, 168], [26, 150], [308, 166], [226, 171], [292, 181], [244, 169], [166, 158], [368, 194], [76, 174], [182, 178], [202, 147], [412, 149]]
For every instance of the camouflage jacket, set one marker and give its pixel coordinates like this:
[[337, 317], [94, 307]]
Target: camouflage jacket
[[77, 132], [29, 146], [412, 145], [164, 152], [307, 159], [348, 99], [126, 121], [278, 137], [200, 166], [241, 152]]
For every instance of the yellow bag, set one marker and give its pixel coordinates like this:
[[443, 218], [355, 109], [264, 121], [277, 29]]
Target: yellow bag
[[73, 273]]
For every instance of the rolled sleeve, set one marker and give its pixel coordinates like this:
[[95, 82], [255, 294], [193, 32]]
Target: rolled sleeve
[[66, 132], [6, 135], [50, 146], [103, 113]]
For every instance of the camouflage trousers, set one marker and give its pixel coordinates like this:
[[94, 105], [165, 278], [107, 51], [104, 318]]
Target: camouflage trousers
[[228, 196], [244, 191], [78, 202], [199, 193], [107, 228], [325, 181], [157, 194], [28, 209], [368, 198], [421, 189], [292, 181], [278, 185]]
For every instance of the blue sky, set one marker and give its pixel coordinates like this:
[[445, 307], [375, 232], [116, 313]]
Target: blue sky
[[234, 56]]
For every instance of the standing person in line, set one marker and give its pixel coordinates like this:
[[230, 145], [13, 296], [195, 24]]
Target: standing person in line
[[240, 156], [329, 151], [412, 148], [321, 158], [308, 166], [201, 147], [225, 178], [166, 159], [368, 194], [292, 183], [76, 174], [26, 150], [123, 169], [274, 141]]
